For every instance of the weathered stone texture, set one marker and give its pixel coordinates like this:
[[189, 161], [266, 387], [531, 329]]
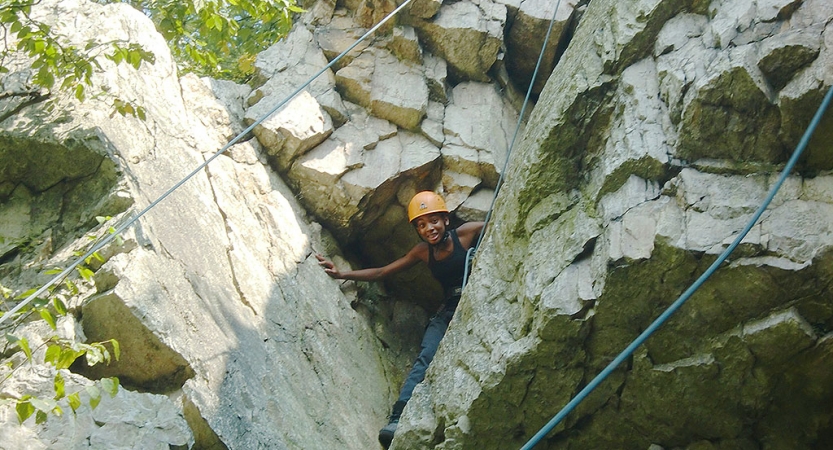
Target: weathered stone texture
[[656, 136], [467, 35], [655, 139], [214, 289], [524, 39]]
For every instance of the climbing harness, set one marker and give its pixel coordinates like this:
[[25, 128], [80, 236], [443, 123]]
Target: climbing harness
[[805, 139], [471, 251], [107, 239]]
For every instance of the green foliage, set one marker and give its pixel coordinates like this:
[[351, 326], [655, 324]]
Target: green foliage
[[62, 353], [219, 38], [55, 62], [59, 352]]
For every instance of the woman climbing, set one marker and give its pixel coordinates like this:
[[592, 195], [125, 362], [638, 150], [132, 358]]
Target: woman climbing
[[444, 251]]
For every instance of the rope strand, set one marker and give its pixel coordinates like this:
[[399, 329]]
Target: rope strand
[[805, 139], [107, 239], [471, 251]]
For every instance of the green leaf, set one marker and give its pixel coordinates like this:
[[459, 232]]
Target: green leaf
[[24, 410], [52, 355], [60, 386], [38, 45], [40, 417], [95, 396], [47, 316], [74, 401], [22, 343], [67, 357], [24, 32], [135, 59], [79, 92], [117, 56], [60, 306], [116, 348], [110, 385], [85, 273], [73, 288], [26, 294]]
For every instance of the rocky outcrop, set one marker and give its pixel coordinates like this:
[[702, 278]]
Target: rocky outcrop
[[468, 35], [657, 136], [213, 293], [658, 133], [132, 419], [525, 38]]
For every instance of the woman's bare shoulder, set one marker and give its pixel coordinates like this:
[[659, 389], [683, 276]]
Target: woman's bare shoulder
[[420, 251]]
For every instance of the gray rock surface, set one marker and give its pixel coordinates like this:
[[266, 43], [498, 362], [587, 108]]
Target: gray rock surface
[[655, 139], [467, 35], [213, 294], [657, 134], [524, 39]]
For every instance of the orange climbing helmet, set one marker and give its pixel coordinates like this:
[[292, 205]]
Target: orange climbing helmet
[[425, 202]]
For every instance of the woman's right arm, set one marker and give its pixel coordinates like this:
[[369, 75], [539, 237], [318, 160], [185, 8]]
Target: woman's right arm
[[375, 273]]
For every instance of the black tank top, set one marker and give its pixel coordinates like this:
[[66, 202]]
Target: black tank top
[[449, 271]]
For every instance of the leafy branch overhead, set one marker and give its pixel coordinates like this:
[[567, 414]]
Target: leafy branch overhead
[[53, 61], [218, 38], [60, 353], [54, 350]]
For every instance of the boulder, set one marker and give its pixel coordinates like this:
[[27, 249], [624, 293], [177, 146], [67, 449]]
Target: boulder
[[339, 35], [295, 129], [525, 39], [479, 125], [405, 45], [282, 69], [398, 91], [363, 163], [467, 35]]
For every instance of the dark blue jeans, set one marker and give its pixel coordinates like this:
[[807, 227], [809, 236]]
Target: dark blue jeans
[[434, 332]]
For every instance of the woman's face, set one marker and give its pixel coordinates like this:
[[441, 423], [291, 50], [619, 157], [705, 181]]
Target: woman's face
[[431, 227]]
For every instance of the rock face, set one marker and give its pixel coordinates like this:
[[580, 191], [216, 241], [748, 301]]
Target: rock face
[[657, 134]]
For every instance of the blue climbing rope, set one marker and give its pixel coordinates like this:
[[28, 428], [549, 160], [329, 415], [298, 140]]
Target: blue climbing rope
[[471, 251], [805, 139], [107, 239]]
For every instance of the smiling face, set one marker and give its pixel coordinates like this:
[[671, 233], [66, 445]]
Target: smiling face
[[431, 227]]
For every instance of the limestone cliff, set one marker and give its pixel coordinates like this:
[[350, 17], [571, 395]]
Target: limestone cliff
[[656, 137], [658, 128]]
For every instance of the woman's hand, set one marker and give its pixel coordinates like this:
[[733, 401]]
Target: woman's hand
[[328, 266]]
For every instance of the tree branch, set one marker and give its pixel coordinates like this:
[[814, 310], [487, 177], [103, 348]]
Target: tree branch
[[34, 98]]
